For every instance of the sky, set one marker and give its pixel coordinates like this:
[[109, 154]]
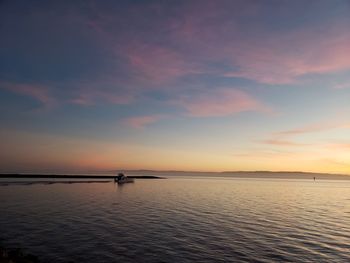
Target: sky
[[175, 85]]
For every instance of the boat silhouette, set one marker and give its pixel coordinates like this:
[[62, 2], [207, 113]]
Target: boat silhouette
[[122, 179]]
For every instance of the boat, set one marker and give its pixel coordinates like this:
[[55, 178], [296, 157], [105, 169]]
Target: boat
[[122, 179]]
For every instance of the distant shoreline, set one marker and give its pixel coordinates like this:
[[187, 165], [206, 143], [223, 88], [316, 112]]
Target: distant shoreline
[[70, 176], [150, 174], [244, 174]]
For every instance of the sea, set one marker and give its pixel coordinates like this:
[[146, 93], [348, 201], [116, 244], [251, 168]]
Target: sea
[[179, 219]]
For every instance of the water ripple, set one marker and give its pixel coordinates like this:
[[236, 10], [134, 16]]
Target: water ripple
[[180, 220]]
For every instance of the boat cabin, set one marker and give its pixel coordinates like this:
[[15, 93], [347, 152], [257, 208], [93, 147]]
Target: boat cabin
[[119, 177]]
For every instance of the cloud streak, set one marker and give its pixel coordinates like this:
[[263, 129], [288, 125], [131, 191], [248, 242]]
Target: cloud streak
[[285, 138], [275, 58], [158, 64], [88, 97], [220, 102], [140, 122], [40, 93], [282, 142], [276, 62], [315, 128], [206, 103], [161, 47]]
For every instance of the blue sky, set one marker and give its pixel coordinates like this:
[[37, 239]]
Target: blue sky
[[186, 85]]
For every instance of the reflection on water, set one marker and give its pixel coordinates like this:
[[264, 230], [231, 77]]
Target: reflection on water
[[180, 220]]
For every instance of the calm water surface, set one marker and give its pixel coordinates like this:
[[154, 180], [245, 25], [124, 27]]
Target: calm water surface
[[180, 220]]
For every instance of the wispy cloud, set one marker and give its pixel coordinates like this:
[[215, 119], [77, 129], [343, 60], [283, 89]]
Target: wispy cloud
[[268, 154], [339, 146], [276, 63], [40, 93], [274, 58], [162, 45], [286, 138], [206, 103], [342, 85], [220, 102], [281, 142], [315, 128], [158, 64], [91, 97], [139, 122]]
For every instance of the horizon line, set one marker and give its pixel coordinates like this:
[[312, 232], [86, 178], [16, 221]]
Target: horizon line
[[167, 171]]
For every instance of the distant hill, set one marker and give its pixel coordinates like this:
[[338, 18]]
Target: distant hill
[[244, 174], [170, 173]]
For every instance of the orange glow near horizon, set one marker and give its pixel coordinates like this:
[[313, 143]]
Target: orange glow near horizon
[[196, 86]]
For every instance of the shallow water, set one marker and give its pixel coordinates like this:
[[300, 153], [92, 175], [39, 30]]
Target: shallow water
[[180, 220]]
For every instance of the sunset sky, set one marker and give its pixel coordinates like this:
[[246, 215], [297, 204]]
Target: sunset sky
[[175, 85]]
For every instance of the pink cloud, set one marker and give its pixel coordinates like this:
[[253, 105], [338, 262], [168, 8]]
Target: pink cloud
[[281, 60], [281, 142], [159, 64], [83, 100], [90, 97], [108, 90], [342, 86], [221, 102], [315, 128], [277, 63], [196, 43], [38, 92], [140, 122], [264, 154], [285, 138], [264, 55], [339, 146]]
